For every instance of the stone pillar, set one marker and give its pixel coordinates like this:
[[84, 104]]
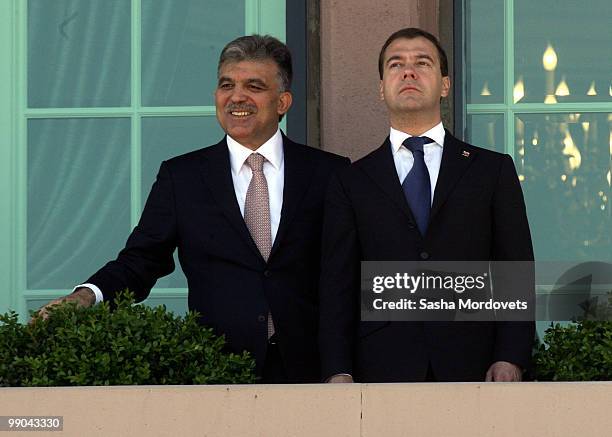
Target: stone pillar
[[353, 118]]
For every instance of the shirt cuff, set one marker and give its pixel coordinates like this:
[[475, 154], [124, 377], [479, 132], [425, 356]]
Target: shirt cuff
[[95, 289]]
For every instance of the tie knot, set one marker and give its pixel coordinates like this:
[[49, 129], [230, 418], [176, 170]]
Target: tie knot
[[415, 144], [255, 161]]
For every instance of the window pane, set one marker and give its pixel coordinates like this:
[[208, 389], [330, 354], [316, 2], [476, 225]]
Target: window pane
[[78, 53], [566, 166], [78, 198], [163, 138], [181, 42], [579, 34], [485, 51], [486, 130]]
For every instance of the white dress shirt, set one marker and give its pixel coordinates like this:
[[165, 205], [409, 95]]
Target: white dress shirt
[[274, 170], [433, 153]]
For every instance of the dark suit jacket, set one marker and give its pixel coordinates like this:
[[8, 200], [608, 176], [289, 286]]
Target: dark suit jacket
[[478, 213], [192, 206]]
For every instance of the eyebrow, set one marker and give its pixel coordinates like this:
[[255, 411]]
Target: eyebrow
[[424, 56], [257, 82], [393, 58], [252, 81], [419, 56]]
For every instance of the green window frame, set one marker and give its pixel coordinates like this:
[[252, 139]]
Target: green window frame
[[508, 108]]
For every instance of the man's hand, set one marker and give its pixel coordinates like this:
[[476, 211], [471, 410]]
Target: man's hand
[[83, 297], [503, 371], [339, 379]]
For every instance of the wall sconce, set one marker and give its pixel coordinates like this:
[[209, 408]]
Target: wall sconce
[[549, 59], [519, 90], [549, 62], [485, 90], [562, 88]]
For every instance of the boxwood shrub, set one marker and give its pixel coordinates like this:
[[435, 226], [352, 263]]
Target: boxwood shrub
[[129, 344], [578, 352]]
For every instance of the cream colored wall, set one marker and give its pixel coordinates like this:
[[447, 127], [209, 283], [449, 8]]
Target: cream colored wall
[[374, 410], [353, 119]]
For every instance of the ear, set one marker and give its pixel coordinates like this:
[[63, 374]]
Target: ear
[[381, 91], [284, 102], [445, 86]]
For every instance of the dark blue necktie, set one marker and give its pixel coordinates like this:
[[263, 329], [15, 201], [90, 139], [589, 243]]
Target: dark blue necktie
[[416, 186]]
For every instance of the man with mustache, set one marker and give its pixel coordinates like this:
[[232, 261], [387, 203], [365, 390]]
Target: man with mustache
[[423, 195], [246, 217]]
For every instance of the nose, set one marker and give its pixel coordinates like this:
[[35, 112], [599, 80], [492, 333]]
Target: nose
[[409, 73], [237, 95]]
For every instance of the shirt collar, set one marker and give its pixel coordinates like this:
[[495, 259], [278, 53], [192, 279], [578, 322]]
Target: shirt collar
[[272, 150], [397, 137]]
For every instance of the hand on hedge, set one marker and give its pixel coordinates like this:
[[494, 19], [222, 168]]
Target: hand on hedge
[[83, 297], [503, 371]]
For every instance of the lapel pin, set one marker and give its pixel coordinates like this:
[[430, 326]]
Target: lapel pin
[[465, 153]]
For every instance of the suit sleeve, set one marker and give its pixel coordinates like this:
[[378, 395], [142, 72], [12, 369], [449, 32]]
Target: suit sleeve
[[147, 255], [338, 291], [512, 242]]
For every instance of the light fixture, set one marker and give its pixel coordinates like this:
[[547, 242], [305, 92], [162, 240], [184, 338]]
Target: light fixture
[[562, 88], [549, 59], [485, 90], [519, 90], [571, 151], [592, 91], [585, 126], [550, 99]]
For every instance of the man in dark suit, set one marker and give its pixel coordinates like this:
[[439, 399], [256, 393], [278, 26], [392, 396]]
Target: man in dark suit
[[423, 195], [246, 217]]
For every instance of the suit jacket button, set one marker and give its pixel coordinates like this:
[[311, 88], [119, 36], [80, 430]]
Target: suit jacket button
[[424, 255], [261, 318], [267, 273]]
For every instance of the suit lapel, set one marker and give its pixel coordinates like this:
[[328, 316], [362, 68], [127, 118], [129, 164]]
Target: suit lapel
[[298, 173], [217, 175], [456, 158], [381, 169]]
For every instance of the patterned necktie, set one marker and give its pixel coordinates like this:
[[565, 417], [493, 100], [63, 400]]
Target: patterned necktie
[[416, 185], [257, 213]]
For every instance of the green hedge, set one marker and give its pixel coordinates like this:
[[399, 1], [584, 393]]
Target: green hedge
[[131, 344], [577, 352]]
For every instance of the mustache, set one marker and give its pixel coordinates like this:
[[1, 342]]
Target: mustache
[[240, 107]]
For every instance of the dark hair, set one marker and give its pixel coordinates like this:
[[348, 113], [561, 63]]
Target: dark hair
[[411, 33], [260, 48]]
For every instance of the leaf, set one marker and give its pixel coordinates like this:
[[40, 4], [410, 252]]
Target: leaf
[[132, 344]]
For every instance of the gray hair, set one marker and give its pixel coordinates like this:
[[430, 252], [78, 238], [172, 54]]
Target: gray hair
[[260, 48]]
